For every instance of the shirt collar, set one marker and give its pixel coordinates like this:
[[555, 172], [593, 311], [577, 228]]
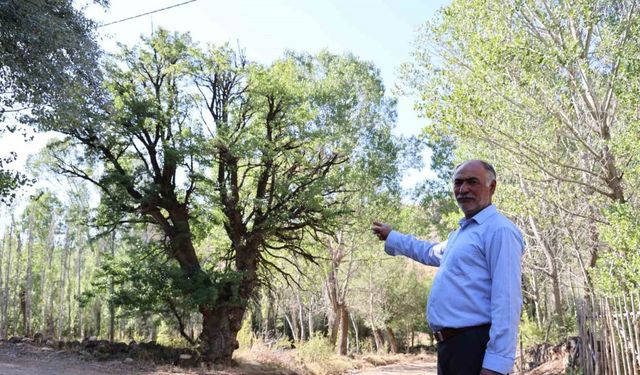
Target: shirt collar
[[481, 216]]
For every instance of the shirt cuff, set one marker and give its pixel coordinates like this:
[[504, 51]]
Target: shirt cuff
[[392, 243], [497, 363]]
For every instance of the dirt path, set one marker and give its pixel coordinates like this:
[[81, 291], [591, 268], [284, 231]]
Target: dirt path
[[423, 368], [21, 359]]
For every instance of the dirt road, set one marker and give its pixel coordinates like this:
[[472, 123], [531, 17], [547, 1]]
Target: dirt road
[[423, 368], [20, 359]]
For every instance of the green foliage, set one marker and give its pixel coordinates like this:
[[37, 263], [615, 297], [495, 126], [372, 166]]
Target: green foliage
[[47, 51], [144, 282], [618, 269], [530, 332], [316, 349]]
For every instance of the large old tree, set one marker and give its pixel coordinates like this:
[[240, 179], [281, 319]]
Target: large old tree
[[184, 134]]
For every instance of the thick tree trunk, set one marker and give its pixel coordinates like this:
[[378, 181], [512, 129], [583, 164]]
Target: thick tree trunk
[[219, 329]]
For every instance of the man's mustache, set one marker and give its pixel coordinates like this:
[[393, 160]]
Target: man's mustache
[[459, 197]]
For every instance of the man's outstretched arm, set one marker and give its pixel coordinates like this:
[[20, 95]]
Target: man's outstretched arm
[[396, 243]]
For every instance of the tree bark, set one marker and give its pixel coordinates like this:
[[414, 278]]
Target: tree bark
[[47, 295], [219, 329], [393, 343], [5, 296], [343, 329], [377, 335], [79, 323], [292, 326], [19, 289], [29, 280], [64, 269], [355, 331], [112, 309]]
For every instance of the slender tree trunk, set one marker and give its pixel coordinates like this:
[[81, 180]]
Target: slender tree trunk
[[2, 247], [292, 325], [7, 285], [393, 343], [377, 335], [97, 316], [79, 320], [112, 308], [343, 337], [64, 270], [46, 328], [310, 319], [355, 331], [29, 281], [301, 317], [18, 289], [552, 264]]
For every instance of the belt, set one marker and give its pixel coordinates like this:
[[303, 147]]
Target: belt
[[447, 333]]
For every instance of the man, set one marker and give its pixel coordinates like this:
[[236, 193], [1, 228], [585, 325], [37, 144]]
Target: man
[[475, 300]]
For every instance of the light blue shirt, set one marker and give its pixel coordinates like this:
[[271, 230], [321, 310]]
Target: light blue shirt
[[479, 280]]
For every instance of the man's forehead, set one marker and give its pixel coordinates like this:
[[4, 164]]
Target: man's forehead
[[470, 170]]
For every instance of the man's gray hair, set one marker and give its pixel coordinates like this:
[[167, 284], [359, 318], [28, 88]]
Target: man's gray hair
[[491, 172]]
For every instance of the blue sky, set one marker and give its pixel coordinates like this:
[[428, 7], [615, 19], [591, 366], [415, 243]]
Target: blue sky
[[375, 30]]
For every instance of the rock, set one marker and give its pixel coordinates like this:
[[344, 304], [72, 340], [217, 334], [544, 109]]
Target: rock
[[128, 360], [38, 338], [103, 346], [15, 339], [90, 342], [73, 346], [50, 343], [119, 347], [187, 360]]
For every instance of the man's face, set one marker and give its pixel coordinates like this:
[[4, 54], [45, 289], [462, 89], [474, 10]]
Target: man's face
[[470, 188]]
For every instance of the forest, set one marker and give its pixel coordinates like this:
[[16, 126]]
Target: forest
[[200, 199]]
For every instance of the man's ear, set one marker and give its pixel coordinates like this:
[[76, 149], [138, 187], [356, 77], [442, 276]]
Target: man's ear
[[492, 186]]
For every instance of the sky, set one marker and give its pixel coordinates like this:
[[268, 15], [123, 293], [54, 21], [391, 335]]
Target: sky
[[380, 31]]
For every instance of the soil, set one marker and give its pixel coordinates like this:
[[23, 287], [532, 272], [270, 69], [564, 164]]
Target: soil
[[423, 368], [25, 359]]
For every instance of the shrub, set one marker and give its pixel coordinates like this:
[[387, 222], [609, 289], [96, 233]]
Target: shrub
[[316, 349]]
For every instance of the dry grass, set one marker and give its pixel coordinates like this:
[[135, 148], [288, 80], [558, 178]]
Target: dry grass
[[260, 359]]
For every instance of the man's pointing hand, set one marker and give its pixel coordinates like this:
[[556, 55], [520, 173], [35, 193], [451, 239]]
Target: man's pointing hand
[[381, 230]]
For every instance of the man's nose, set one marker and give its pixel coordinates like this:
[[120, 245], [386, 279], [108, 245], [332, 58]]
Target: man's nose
[[464, 188]]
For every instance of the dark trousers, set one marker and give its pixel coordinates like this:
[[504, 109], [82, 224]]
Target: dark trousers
[[463, 353]]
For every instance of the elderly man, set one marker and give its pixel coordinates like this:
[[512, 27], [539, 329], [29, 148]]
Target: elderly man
[[475, 300]]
